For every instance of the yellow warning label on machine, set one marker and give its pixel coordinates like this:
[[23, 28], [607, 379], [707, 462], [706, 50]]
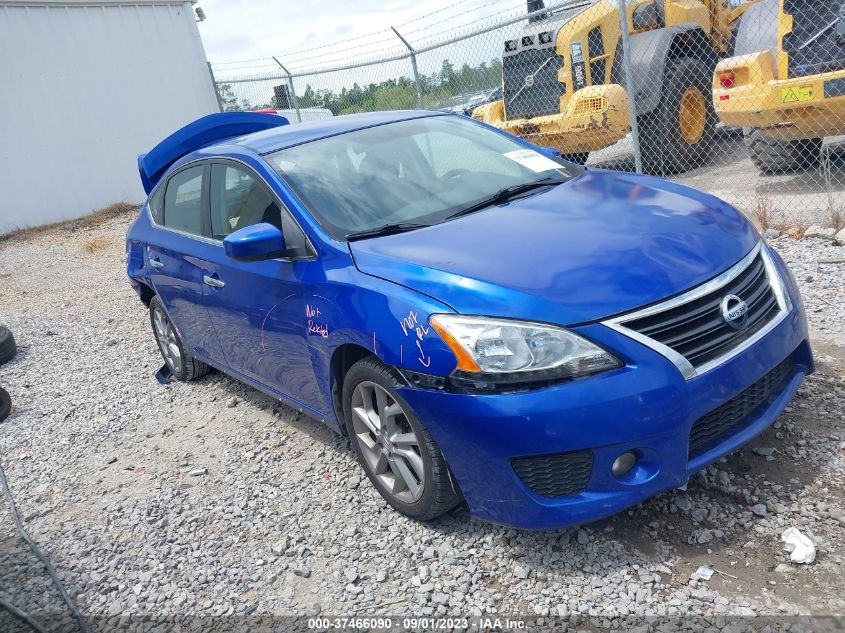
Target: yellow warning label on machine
[[796, 95]]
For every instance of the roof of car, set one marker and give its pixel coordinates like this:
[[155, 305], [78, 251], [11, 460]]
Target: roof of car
[[278, 138], [257, 131]]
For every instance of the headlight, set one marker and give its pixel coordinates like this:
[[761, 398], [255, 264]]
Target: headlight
[[506, 351]]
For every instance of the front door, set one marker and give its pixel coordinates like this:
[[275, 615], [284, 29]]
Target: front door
[[257, 308]]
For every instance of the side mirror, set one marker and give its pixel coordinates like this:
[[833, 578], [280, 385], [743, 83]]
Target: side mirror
[[646, 17], [255, 243]]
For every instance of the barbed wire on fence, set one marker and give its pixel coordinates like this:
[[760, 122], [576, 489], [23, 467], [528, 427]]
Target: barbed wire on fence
[[741, 98]]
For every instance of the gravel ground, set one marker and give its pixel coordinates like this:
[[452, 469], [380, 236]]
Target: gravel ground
[[210, 500]]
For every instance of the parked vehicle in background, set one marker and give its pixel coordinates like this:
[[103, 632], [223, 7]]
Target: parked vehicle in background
[[483, 320], [563, 80], [306, 114], [786, 83], [468, 104]]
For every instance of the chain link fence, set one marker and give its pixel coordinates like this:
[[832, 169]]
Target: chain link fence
[[741, 98]]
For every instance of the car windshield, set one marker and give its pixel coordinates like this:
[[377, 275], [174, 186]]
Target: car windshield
[[414, 172]]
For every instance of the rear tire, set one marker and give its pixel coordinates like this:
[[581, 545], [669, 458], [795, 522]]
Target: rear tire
[[781, 157], [5, 404], [384, 430], [678, 135], [8, 347], [182, 365]]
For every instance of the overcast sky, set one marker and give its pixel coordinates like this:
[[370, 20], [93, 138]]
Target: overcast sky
[[237, 30]]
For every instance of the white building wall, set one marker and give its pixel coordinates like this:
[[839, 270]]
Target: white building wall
[[84, 88]]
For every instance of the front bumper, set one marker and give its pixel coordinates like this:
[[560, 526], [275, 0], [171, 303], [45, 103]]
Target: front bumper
[[646, 407]]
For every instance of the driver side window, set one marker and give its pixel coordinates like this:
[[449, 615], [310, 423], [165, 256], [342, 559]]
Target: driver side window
[[239, 199]]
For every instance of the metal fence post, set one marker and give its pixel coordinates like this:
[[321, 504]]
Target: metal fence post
[[214, 85], [414, 69], [293, 98], [629, 85]]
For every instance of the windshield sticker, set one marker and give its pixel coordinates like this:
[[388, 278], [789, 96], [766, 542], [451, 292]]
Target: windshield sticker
[[534, 161]]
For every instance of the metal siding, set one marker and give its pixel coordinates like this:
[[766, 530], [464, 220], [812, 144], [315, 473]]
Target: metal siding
[[86, 87]]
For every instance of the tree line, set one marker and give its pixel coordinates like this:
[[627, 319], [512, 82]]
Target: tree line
[[439, 89]]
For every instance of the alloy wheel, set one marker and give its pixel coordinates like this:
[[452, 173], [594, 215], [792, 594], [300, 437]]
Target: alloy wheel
[[388, 443], [167, 342]]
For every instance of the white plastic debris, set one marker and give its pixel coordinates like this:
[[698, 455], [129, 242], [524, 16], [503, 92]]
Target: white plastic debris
[[800, 548], [704, 572]]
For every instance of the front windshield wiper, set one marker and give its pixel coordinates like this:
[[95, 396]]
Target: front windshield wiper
[[503, 195], [385, 229]]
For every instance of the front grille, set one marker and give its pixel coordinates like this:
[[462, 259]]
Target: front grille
[[720, 424], [590, 105], [697, 330], [557, 475], [540, 98]]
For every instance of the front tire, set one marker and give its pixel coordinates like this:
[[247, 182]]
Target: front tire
[[678, 135], [782, 157], [396, 451], [182, 365]]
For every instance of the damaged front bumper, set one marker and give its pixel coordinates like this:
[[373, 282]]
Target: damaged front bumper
[[507, 451]]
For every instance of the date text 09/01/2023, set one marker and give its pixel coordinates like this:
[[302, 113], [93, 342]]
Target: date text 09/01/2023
[[416, 623]]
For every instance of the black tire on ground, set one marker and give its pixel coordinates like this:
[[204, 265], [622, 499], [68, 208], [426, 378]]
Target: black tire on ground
[[667, 147], [8, 347], [5, 404], [440, 493], [780, 157], [190, 368], [579, 159]]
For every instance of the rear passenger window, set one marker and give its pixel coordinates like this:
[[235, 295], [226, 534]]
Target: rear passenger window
[[183, 201], [239, 199], [157, 205]]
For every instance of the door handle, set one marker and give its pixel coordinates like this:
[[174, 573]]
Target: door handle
[[213, 281], [156, 263]]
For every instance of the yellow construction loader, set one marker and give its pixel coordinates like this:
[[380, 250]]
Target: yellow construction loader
[[786, 83], [564, 85]]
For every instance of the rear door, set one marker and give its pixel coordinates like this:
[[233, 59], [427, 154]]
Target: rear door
[[257, 308], [175, 257]]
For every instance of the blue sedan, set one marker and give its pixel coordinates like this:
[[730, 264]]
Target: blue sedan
[[486, 322]]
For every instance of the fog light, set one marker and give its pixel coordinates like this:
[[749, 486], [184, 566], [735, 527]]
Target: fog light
[[623, 464]]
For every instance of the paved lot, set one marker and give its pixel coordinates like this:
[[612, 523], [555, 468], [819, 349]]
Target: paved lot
[[99, 458]]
